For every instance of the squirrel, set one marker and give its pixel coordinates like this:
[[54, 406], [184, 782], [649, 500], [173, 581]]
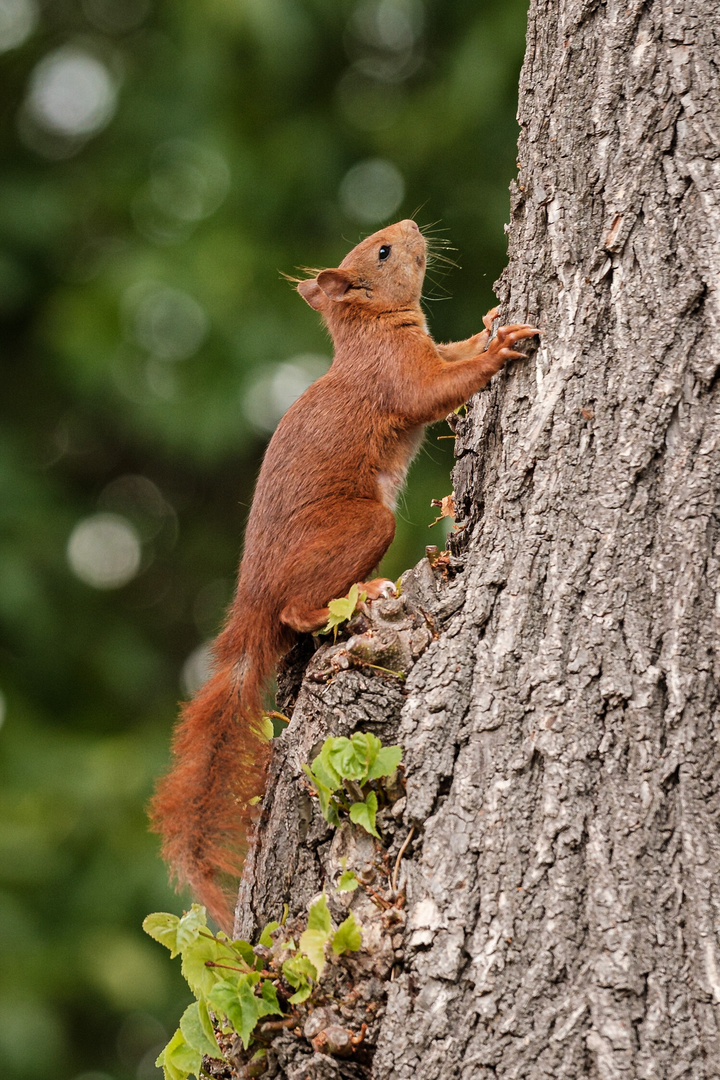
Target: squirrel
[[322, 517]]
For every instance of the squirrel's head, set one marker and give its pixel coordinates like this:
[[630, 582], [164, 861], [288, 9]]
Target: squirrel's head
[[383, 273]]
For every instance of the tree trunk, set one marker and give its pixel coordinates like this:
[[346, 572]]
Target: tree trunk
[[560, 732]]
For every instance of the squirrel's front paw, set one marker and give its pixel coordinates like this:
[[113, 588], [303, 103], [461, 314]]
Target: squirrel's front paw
[[502, 344]]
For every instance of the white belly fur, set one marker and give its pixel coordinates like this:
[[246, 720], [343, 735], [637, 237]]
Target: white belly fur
[[392, 480]]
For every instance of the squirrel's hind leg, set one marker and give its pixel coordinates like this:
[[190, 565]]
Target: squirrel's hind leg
[[341, 553], [305, 620]]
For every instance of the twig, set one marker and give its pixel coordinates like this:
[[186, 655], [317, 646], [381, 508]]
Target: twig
[[401, 852], [243, 971], [278, 1025], [379, 900], [386, 670], [357, 1039]]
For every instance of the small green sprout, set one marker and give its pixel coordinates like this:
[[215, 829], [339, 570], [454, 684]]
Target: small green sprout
[[342, 773]]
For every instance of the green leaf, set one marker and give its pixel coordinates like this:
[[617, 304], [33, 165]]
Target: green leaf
[[386, 762], [347, 938], [353, 758], [190, 926], [363, 813], [250, 1006], [298, 970], [341, 610], [318, 933], [266, 935], [347, 881], [360, 758], [207, 1026], [194, 1026], [347, 604], [201, 978], [238, 1003], [328, 806], [319, 915], [163, 928], [366, 747], [224, 999], [245, 952], [347, 758], [178, 1060], [300, 995], [268, 1003], [266, 730], [324, 770], [312, 943]]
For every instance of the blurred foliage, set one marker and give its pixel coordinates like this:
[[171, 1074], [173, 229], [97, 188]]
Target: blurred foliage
[[162, 162]]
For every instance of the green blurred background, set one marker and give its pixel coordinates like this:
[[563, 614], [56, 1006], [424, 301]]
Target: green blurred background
[[162, 162]]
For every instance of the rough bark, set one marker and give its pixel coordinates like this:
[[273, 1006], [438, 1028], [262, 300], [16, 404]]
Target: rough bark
[[561, 729]]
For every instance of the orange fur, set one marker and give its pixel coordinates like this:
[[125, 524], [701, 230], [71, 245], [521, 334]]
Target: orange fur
[[202, 807], [321, 519]]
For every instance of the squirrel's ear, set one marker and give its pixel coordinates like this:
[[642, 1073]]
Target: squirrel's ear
[[334, 283], [312, 293], [328, 285]]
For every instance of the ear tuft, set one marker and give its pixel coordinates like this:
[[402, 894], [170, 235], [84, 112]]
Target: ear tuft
[[334, 283]]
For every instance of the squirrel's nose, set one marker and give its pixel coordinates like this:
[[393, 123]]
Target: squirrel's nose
[[410, 224]]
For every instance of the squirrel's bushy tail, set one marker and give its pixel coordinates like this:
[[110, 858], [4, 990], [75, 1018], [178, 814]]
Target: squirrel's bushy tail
[[202, 809]]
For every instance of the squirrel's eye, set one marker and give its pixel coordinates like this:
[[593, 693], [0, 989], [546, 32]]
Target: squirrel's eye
[[384, 252]]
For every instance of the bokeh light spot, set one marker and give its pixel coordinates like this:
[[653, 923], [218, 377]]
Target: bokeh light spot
[[141, 501], [382, 38], [372, 190], [72, 93], [188, 181], [187, 184], [197, 669], [104, 551], [277, 387], [157, 224], [161, 380], [169, 323], [390, 24], [18, 19]]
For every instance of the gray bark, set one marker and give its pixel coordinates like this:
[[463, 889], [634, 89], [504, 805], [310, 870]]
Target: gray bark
[[561, 730]]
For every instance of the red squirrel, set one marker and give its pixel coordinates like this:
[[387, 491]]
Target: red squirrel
[[321, 520]]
